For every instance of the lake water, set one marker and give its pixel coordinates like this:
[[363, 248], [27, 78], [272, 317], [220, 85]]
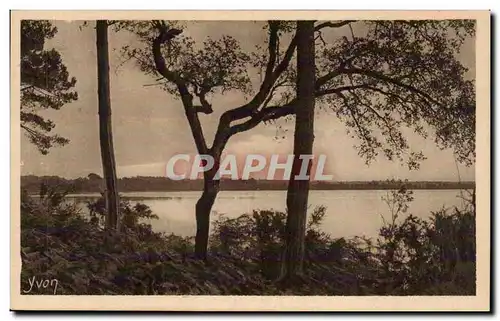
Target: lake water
[[349, 213]]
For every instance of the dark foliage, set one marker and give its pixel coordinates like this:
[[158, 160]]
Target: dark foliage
[[411, 256], [377, 77], [45, 84]]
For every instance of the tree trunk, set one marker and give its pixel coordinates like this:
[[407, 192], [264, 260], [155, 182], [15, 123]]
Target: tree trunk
[[298, 190], [203, 211], [105, 128]]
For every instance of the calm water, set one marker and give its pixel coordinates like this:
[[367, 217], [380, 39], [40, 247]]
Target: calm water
[[349, 213]]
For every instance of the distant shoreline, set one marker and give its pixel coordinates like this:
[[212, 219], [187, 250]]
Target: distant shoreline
[[161, 184]]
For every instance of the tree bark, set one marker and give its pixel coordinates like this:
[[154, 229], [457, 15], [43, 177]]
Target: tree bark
[[298, 190], [105, 128], [203, 211], [204, 206]]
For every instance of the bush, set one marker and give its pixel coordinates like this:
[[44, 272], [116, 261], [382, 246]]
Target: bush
[[425, 255], [258, 238], [410, 257]]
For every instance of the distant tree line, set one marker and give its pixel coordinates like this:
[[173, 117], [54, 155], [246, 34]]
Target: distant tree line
[[94, 184]]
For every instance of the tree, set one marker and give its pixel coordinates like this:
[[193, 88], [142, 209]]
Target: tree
[[298, 190], [45, 84], [219, 66], [385, 76], [105, 128]]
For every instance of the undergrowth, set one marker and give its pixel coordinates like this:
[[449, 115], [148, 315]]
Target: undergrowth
[[411, 256]]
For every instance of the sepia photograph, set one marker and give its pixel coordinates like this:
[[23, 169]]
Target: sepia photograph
[[252, 161]]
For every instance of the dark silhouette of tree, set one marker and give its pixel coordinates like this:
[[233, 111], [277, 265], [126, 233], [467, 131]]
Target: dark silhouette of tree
[[376, 76], [298, 190], [219, 66], [105, 128], [94, 176], [45, 84]]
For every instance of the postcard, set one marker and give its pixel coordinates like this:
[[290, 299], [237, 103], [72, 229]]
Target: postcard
[[250, 161]]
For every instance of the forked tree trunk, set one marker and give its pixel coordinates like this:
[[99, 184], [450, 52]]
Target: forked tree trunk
[[298, 190], [224, 132], [105, 128]]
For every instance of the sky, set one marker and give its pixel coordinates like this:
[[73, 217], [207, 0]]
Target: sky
[[149, 125]]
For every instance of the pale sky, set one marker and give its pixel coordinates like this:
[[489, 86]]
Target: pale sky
[[149, 126]]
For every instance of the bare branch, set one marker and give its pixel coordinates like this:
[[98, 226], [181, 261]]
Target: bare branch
[[330, 24], [320, 37], [266, 114], [205, 107], [164, 36], [251, 108], [375, 112], [337, 90], [388, 79], [269, 78], [152, 85], [403, 100], [26, 87], [321, 81], [272, 49], [361, 130], [30, 131], [273, 91], [187, 99], [352, 33]]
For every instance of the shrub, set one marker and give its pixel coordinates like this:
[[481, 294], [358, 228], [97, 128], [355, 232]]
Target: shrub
[[418, 255], [411, 256]]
